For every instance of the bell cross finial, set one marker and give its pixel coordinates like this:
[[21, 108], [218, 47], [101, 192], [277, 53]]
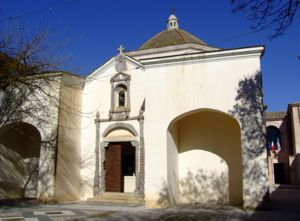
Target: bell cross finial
[[121, 49]]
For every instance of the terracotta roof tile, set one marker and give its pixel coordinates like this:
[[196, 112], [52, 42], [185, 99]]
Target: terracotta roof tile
[[170, 38]]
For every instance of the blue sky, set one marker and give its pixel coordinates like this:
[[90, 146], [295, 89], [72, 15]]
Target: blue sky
[[89, 32]]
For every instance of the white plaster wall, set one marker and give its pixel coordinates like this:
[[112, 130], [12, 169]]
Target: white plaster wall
[[156, 125], [171, 89], [43, 109], [176, 88], [173, 192], [295, 112], [296, 130], [203, 178], [67, 177], [46, 109], [97, 97]]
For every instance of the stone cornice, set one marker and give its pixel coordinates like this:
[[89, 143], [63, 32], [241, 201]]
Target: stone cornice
[[220, 54]]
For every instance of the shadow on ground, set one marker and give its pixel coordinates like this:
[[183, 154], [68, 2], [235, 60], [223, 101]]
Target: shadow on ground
[[14, 204], [285, 201], [285, 205]]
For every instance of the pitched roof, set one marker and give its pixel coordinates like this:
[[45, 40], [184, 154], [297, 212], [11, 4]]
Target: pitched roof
[[171, 37]]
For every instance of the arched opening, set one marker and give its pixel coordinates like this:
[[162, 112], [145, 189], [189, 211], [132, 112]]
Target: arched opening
[[121, 96], [19, 152], [273, 139], [120, 158], [204, 158], [279, 161]]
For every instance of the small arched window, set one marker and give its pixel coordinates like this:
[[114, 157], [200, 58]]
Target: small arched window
[[121, 99], [121, 91]]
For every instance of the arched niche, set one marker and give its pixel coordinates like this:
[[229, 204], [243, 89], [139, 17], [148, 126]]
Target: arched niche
[[22, 138], [20, 145], [206, 132], [120, 96]]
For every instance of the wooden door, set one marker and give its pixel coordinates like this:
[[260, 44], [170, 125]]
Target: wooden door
[[112, 166]]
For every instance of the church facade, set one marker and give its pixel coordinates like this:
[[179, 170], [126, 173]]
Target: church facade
[[175, 122]]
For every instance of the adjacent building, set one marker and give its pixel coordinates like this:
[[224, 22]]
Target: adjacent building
[[283, 140]]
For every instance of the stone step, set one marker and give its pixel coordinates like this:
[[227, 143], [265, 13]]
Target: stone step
[[109, 197]]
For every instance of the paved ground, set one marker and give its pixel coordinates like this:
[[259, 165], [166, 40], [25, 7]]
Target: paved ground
[[285, 206]]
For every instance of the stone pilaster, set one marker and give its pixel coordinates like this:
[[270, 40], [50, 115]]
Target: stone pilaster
[[141, 156], [137, 166], [96, 188], [103, 145], [46, 181]]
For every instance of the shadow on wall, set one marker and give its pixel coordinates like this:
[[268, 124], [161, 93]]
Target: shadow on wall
[[164, 196], [249, 110], [87, 164], [19, 154], [47, 167], [248, 177], [208, 187], [24, 162], [11, 179], [205, 186], [67, 175], [295, 167]]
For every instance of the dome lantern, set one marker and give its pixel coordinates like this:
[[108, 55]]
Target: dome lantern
[[172, 22]]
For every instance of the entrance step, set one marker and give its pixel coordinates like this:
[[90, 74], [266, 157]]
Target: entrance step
[[111, 197]]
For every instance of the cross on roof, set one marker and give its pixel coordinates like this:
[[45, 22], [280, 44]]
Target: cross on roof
[[121, 49]]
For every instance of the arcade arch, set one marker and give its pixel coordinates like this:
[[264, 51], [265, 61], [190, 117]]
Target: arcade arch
[[205, 159], [20, 145]]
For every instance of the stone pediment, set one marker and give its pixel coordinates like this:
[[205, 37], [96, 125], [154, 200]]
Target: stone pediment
[[120, 77], [111, 66]]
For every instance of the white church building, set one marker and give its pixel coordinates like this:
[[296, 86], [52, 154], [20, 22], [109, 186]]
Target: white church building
[[174, 122]]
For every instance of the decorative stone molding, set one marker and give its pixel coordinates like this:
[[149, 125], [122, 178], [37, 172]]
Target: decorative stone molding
[[139, 159], [115, 126], [103, 145], [137, 166], [141, 180], [96, 188], [120, 96]]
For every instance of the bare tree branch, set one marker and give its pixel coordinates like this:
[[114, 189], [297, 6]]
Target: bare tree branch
[[276, 14], [27, 82]]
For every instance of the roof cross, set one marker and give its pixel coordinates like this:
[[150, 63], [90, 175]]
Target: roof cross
[[121, 49]]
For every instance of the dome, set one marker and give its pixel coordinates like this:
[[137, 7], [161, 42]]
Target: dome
[[171, 37]]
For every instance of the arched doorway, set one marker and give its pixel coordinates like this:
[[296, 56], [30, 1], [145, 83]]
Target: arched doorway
[[120, 165], [205, 159], [19, 152]]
